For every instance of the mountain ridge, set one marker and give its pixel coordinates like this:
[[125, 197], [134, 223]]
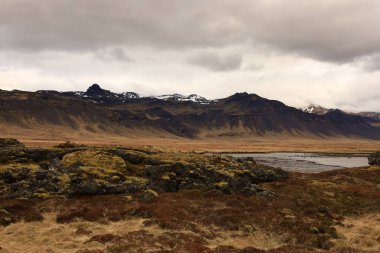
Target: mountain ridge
[[99, 94], [240, 115]]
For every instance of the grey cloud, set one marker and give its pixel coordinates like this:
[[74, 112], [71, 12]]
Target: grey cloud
[[215, 61], [114, 54], [335, 31], [88, 25], [372, 63], [253, 67]]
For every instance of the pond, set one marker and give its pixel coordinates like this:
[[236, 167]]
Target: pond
[[306, 162]]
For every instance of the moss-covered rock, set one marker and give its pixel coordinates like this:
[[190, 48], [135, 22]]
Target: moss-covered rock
[[5, 217], [374, 158], [69, 144], [148, 196], [94, 158], [23, 155], [93, 171], [223, 187], [8, 142], [130, 156]]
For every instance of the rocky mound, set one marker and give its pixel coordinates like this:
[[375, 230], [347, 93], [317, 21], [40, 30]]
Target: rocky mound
[[8, 142], [374, 158], [28, 172]]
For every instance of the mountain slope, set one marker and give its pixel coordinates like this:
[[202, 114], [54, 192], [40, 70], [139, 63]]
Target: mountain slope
[[99, 111]]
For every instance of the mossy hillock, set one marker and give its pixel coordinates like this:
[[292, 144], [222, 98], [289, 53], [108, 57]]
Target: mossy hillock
[[28, 172]]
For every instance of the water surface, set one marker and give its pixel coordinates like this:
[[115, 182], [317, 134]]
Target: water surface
[[306, 162]]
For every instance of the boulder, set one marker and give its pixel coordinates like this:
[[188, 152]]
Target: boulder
[[223, 187], [5, 217], [149, 196]]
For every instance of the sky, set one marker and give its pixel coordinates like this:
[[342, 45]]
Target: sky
[[325, 52]]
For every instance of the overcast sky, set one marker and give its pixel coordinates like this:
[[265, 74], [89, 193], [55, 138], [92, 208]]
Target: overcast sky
[[300, 52]]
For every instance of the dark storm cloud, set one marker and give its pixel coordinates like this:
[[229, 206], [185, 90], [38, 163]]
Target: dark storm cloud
[[215, 61], [334, 30], [85, 24]]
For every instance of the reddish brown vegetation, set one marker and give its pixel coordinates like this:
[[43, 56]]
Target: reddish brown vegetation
[[304, 212], [21, 209]]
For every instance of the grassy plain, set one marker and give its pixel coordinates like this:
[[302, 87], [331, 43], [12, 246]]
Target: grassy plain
[[272, 144]]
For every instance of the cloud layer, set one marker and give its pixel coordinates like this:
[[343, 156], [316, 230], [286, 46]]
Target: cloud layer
[[215, 61], [216, 47]]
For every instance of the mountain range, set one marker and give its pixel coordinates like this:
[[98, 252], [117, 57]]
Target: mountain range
[[372, 118], [99, 111]]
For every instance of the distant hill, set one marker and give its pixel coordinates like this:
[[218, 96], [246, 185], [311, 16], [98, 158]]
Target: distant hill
[[373, 118], [99, 111]]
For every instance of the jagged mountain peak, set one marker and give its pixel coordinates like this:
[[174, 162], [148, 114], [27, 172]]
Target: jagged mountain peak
[[94, 87], [96, 90]]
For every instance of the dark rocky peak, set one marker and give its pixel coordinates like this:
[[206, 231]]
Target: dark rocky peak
[[252, 103], [94, 88], [247, 99], [243, 96], [96, 91]]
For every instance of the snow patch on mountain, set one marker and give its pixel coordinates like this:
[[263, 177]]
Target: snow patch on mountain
[[317, 109], [181, 98]]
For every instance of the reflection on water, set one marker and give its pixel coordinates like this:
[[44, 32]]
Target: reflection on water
[[306, 162]]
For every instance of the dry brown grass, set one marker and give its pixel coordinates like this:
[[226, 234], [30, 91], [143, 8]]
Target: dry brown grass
[[360, 232], [129, 235], [50, 236], [43, 138]]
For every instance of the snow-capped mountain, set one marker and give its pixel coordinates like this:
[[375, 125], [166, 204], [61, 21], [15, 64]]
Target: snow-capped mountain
[[96, 94], [185, 116], [317, 109], [372, 118], [101, 96], [95, 91], [181, 98]]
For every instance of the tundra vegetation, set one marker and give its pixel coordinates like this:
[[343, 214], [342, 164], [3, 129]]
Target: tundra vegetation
[[85, 199]]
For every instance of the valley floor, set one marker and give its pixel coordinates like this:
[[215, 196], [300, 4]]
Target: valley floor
[[259, 144]]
